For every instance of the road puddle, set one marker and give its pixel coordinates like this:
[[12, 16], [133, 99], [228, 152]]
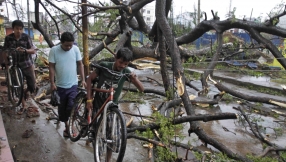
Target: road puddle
[[234, 134]]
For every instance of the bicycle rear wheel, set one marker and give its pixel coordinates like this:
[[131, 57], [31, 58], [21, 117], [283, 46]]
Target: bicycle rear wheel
[[15, 85], [77, 119], [111, 141]]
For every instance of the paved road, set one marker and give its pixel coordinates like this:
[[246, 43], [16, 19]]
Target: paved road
[[47, 142]]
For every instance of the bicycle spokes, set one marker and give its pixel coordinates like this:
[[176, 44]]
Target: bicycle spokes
[[110, 137], [77, 125], [113, 130], [15, 85]]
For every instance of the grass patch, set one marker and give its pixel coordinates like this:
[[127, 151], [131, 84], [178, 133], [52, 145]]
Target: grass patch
[[134, 97]]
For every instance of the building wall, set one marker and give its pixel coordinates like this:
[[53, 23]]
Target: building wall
[[31, 32], [282, 22], [33, 17], [9, 31], [148, 13]]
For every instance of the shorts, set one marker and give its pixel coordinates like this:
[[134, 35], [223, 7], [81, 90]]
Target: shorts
[[29, 74], [67, 96]]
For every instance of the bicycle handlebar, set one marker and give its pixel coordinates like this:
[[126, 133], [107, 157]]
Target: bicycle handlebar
[[11, 49], [114, 73]]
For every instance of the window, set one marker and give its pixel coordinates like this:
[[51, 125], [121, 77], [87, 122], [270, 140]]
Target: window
[[148, 11], [148, 18]]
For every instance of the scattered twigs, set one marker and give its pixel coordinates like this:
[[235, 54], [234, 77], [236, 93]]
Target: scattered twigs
[[137, 115], [227, 130], [155, 81], [257, 134], [151, 152], [263, 110], [67, 14], [186, 146], [106, 47], [129, 122], [275, 19], [253, 127], [147, 140], [269, 149]]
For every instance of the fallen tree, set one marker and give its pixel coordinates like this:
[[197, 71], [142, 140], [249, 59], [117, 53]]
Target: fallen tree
[[166, 45]]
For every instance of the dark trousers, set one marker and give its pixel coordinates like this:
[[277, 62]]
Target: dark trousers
[[67, 96]]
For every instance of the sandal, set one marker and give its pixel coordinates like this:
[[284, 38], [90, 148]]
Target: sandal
[[21, 111], [33, 112], [27, 133]]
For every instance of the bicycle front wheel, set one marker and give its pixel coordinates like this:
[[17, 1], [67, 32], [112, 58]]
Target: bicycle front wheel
[[15, 85], [110, 144], [77, 119]]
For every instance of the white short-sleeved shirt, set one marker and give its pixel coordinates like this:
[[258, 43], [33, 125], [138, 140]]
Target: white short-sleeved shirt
[[65, 65]]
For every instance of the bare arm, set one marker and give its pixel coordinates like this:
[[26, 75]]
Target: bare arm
[[31, 51], [81, 72], [136, 82], [89, 79], [52, 75]]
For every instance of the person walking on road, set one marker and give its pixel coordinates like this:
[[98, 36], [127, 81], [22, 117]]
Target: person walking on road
[[23, 43], [63, 62], [41, 39]]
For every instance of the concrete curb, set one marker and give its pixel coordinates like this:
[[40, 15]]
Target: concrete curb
[[5, 151]]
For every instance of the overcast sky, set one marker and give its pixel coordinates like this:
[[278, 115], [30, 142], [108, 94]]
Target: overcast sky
[[243, 7]]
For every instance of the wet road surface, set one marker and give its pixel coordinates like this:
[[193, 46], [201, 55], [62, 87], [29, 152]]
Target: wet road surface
[[47, 143]]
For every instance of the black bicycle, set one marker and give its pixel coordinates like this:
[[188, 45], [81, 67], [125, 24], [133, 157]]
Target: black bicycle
[[14, 77]]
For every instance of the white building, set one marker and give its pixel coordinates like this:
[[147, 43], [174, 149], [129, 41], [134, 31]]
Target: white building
[[148, 13], [282, 22], [186, 19]]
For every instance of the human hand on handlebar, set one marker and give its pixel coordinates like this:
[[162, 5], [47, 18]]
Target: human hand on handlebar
[[132, 76], [20, 49]]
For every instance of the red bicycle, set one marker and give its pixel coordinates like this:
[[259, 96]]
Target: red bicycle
[[107, 129]]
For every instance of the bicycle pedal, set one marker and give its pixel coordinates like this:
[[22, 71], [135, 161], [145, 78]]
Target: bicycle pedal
[[83, 132], [91, 136]]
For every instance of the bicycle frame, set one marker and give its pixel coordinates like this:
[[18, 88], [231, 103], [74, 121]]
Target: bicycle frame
[[13, 65], [14, 78], [104, 107], [107, 128]]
